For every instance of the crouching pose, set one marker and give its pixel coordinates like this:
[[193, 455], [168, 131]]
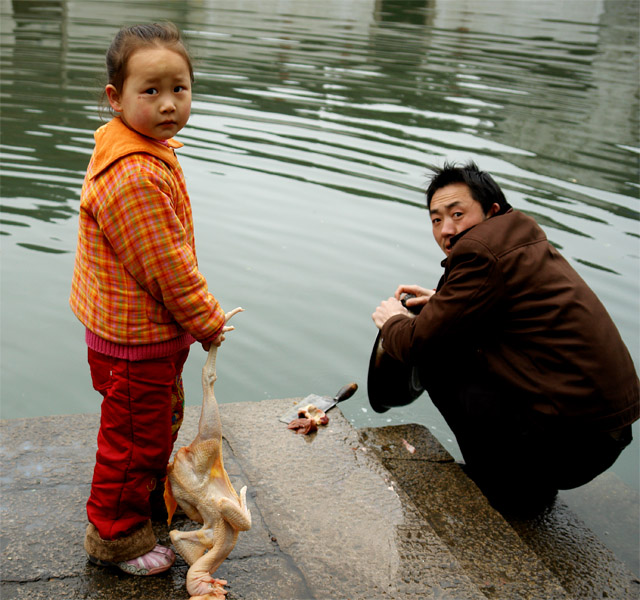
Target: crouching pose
[[514, 349]]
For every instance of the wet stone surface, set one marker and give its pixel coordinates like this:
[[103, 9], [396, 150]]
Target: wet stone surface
[[553, 555], [45, 485], [343, 513], [327, 522], [334, 510], [450, 502]]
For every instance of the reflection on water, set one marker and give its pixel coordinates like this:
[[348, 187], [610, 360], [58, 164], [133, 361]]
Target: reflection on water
[[305, 158]]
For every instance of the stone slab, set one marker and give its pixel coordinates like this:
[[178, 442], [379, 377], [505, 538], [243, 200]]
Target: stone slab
[[551, 556], [332, 508], [46, 475], [327, 523]]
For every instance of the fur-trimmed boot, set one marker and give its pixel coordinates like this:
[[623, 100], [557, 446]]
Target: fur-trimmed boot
[[136, 554]]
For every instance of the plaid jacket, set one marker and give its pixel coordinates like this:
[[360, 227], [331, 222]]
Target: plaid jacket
[[136, 279]]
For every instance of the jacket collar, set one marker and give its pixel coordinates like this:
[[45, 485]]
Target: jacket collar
[[115, 140], [455, 238]]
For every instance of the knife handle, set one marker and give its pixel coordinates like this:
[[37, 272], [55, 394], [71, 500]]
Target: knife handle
[[345, 392]]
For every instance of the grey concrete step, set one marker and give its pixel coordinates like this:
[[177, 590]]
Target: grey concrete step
[[329, 504], [326, 522], [340, 514], [552, 556]]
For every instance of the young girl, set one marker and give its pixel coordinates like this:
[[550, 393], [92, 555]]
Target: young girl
[[137, 289]]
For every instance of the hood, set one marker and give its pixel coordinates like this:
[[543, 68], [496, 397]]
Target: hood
[[115, 140]]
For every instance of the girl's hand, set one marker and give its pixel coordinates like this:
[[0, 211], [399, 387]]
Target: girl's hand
[[218, 341], [422, 295]]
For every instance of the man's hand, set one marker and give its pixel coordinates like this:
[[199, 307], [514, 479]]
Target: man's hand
[[422, 295], [387, 309]]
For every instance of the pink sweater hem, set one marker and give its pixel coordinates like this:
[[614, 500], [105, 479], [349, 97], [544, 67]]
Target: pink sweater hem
[[141, 352]]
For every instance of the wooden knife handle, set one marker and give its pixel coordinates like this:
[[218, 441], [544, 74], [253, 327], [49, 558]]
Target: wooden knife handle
[[345, 392]]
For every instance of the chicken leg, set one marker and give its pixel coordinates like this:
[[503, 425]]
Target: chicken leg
[[198, 482]]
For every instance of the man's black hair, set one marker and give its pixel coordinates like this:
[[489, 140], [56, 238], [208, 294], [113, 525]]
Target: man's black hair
[[482, 186]]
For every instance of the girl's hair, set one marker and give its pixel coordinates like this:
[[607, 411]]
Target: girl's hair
[[132, 38]]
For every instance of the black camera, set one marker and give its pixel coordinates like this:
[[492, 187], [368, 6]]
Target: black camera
[[414, 309]]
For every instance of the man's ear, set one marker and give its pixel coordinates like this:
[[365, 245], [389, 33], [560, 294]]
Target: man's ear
[[114, 97], [494, 210]]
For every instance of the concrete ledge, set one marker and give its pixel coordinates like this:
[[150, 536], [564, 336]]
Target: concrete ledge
[[551, 556], [327, 522], [342, 513], [332, 508], [490, 551]]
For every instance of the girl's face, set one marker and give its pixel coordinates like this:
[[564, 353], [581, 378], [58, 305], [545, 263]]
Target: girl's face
[[156, 93]]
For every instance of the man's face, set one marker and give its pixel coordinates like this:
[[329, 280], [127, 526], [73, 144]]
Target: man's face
[[453, 210]]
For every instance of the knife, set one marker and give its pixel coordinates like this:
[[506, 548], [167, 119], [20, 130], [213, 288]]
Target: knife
[[324, 403]]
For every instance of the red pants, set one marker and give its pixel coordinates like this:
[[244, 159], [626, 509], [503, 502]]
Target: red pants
[[141, 414]]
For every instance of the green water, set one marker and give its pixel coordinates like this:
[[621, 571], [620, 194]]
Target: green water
[[305, 159]]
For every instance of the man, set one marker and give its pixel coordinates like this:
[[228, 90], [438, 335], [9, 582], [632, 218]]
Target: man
[[514, 349]]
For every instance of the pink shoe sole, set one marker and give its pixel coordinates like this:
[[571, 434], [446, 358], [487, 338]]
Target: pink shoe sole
[[157, 560]]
